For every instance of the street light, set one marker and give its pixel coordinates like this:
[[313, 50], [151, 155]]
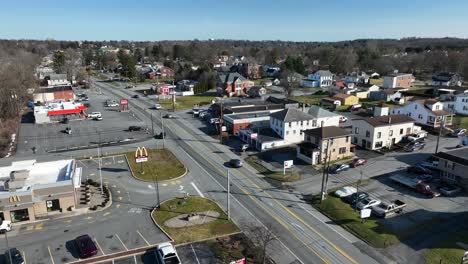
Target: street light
[[8, 247]]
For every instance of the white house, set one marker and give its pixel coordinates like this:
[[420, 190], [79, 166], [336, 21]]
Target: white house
[[322, 117], [318, 78], [357, 77], [460, 104], [290, 123], [426, 112], [57, 79], [384, 131]]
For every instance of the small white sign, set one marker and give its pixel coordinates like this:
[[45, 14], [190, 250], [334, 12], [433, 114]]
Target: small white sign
[[253, 136], [288, 164], [49, 204], [365, 213], [141, 159], [223, 128]]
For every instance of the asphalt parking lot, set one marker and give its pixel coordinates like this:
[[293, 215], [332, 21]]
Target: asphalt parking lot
[[51, 137]]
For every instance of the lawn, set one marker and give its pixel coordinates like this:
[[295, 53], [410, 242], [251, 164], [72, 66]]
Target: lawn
[[187, 102], [274, 175], [370, 231], [172, 208], [309, 99], [447, 251], [161, 163], [460, 121], [378, 82]]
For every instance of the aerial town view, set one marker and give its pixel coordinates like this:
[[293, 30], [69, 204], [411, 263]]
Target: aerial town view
[[247, 132]]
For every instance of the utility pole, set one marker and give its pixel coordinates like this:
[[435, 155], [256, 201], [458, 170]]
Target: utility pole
[[100, 161], [442, 123], [322, 194], [221, 123], [162, 127], [328, 169], [357, 189], [156, 188], [152, 124], [8, 247], [228, 195]]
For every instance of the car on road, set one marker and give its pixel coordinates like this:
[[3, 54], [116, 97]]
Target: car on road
[[86, 246], [98, 118], [416, 145], [94, 114], [358, 162], [339, 168], [111, 103], [167, 253], [457, 132], [157, 106], [169, 116], [418, 170], [345, 191], [136, 96], [450, 190], [5, 226], [367, 203], [161, 135], [134, 128], [355, 197], [343, 119], [68, 130], [16, 257], [236, 163]]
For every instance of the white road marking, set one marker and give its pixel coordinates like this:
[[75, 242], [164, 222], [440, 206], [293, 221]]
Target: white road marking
[[164, 184], [181, 188], [150, 186], [198, 190], [121, 242], [196, 257]]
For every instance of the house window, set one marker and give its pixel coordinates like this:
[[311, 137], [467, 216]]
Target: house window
[[355, 140], [367, 133], [437, 107], [415, 107], [453, 166], [446, 164], [401, 131], [307, 123], [356, 130], [379, 134], [302, 123], [408, 130], [342, 150], [294, 132], [378, 144], [409, 114], [420, 116], [321, 123], [390, 132], [314, 123], [287, 132], [347, 139]]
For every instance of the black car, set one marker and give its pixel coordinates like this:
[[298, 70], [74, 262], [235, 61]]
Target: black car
[[169, 116], [236, 163], [160, 135], [86, 246], [355, 197], [16, 256], [136, 96], [134, 128], [338, 168], [418, 170], [416, 145]]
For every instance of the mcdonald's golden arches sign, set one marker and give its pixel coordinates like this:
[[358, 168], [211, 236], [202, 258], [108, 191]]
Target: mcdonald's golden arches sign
[[141, 155]]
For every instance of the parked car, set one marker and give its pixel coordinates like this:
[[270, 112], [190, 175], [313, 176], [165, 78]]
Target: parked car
[[367, 203], [418, 170], [339, 168], [355, 107], [236, 163], [419, 136], [157, 106], [136, 96], [203, 114], [167, 253], [134, 128], [345, 191], [416, 145], [425, 178], [343, 119], [86, 246], [98, 118], [5, 226], [169, 116], [457, 132], [355, 197], [450, 190], [111, 103], [94, 114], [160, 135], [385, 209], [68, 130], [358, 162], [244, 147], [16, 257]]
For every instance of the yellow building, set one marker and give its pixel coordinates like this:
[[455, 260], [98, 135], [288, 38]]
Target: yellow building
[[346, 99]]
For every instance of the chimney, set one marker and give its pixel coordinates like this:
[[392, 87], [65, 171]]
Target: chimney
[[389, 120]]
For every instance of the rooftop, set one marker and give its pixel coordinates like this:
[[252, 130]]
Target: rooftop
[[291, 115], [341, 96], [327, 132], [319, 112], [51, 89], [40, 172], [397, 74], [388, 120], [457, 155]]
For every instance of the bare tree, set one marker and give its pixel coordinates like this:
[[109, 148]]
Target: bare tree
[[262, 237]]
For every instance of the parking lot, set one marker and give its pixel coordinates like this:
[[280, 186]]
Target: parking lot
[[51, 137]]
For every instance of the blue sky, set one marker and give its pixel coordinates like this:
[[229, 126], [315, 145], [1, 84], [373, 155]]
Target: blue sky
[[297, 20]]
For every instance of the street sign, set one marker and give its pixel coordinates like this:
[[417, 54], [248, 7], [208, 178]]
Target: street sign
[[240, 261], [288, 164], [365, 213], [49, 204], [142, 159], [253, 136], [123, 101]]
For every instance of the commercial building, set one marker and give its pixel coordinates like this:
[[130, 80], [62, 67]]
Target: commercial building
[[290, 123], [31, 190], [398, 80], [453, 166], [54, 93], [236, 122], [57, 111]]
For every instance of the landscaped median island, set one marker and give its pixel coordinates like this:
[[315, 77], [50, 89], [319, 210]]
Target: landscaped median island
[[290, 176], [193, 219], [448, 251], [187, 102], [162, 165]]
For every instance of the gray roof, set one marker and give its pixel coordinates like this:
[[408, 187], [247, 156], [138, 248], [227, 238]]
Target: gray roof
[[56, 77], [291, 115], [327, 132], [324, 72], [457, 155], [231, 77], [319, 112]]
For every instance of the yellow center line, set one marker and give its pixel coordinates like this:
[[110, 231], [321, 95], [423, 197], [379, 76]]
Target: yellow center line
[[99, 246], [143, 238], [50, 254], [121, 242]]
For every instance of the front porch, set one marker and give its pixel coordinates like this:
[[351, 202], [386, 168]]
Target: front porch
[[437, 121]]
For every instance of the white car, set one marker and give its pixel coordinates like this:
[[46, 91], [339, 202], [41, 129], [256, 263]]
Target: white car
[[367, 203], [345, 191], [112, 104], [167, 253], [5, 226], [343, 119], [94, 115], [157, 106]]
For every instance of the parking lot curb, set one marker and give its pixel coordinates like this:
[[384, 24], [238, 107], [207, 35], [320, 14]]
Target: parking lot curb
[[113, 256], [156, 223], [207, 239]]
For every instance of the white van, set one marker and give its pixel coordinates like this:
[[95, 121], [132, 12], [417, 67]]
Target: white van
[[5, 226]]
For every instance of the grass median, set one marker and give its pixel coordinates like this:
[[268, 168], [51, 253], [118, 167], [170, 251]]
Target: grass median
[[175, 207], [290, 176], [187, 102], [161, 163], [448, 251]]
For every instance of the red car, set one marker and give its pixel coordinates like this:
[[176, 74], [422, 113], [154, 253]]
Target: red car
[[86, 246], [358, 162]]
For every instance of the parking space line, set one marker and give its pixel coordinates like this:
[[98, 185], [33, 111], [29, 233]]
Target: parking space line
[[39, 226], [24, 257], [106, 213], [99, 246], [143, 238], [50, 254], [120, 198], [194, 253], [121, 242], [198, 190], [117, 205], [134, 258]]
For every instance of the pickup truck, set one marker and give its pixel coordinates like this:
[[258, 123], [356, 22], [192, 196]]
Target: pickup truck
[[5, 226], [421, 135], [385, 209], [416, 184], [167, 254]]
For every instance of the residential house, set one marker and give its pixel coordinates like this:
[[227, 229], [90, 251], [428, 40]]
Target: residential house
[[373, 74], [386, 95], [449, 93], [320, 78], [290, 123], [324, 143], [271, 71], [459, 105], [398, 80], [447, 79], [427, 112], [453, 165], [248, 70], [165, 72], [374, 133], [346, 99], [257, 91], [57, 79], [357, 78], [233, 83], [322, 117]]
